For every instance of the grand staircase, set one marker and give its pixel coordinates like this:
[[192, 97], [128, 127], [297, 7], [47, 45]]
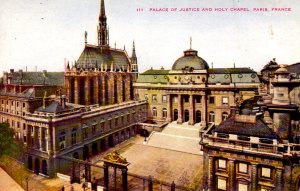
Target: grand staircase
[[183, 138]]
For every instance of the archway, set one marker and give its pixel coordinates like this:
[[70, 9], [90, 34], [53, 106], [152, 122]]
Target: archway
[[186, 115], [85, 152], [29, 162], [198, 116], [94, 148], [175, 115], [44, 167], [76, 155], [110, 141], [102, 144], [37, 166]]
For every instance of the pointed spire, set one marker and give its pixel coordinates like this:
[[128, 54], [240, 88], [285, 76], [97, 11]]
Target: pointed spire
[[190, 42], [102, 29], [133, 50], [85, 37], [68, 66]]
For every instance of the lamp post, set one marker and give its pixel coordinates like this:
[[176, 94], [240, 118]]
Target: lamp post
[[26, 183]]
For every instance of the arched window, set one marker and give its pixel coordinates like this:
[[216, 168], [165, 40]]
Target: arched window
[[224, 116], [74, 136], [62, 140], [154, 111], [211, 116], [164, 113]]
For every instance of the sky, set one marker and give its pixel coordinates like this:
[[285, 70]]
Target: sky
[[42, 34]]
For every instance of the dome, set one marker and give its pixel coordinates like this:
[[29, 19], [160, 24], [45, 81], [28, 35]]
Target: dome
[[190, 60], [281, 70]]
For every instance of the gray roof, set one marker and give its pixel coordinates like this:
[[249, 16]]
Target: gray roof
[[35, 78], [53, 107], [28, 93], [258, 129], [232, 75], [93, 57], [190, 60], [294, 68]]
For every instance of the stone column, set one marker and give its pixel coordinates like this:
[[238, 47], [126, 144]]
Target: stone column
[[254, 179], [279, 179], [103, 90], [120, 88], [87, 91], [204, 110], [231, 175], [211, 172], [179, 121], [68, 87], [96, 90], [192, 111], [76, 90], [169, 108], [124, 179], [48, 148], [40, 138], [127, 87]]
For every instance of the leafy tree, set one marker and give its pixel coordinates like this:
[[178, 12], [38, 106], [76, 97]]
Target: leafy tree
[[8, 145]]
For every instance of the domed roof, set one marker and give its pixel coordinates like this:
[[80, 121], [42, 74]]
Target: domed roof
[[190, 59], [281, 70]]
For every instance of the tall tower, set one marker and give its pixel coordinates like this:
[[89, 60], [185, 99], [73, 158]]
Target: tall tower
[[134, 64], [103, 39]]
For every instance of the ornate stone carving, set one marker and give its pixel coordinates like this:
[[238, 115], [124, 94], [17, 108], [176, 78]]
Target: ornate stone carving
[[115, 157]]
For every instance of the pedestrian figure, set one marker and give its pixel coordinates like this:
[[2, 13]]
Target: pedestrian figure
[[63, 188]]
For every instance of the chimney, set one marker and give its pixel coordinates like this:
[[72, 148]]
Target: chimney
[[63, 101], [11, 71]]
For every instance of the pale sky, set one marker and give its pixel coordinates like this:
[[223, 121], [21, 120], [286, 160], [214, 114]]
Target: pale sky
[[43, 33]]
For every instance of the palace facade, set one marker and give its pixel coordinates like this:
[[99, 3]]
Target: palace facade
[[194, 93]]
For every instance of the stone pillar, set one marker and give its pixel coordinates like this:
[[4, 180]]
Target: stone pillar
[[87, 91], [254, 179], [204, 110], [192, 111], [68, 87], [127, 87], [120, 88], [179, 121], [48, 148], [106, 178], [279, 183], [103, 90], [231, 175], [124, 179], [76, 90], [211, 173], [169, 108], [96, 90]]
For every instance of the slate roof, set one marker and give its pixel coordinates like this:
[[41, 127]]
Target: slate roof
[[93, 57], [190, 59], [258, 129], [294, 68], [53, 107], [35, 78], [28, 93], [230, 70]]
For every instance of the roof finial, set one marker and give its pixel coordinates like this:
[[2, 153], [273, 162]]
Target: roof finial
[[234, 65], [190, 42], [212, 65], [115, 45], [85, 37]]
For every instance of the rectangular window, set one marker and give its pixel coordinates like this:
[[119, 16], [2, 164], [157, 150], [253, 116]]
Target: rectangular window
[[222, 163], [243, 167], [146, 96], [25, 139], [23, 104], [164, 98], [198, 99], [94, 129], [211, 100], [266, 172], [116, 121], [225, 100], [221, 184], [186, 99], [154, 98], [242, 187]]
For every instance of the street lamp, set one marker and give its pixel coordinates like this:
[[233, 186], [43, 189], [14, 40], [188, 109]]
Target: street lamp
[[26, 183]]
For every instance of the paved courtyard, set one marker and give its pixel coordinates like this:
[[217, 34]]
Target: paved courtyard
[[165, 165]]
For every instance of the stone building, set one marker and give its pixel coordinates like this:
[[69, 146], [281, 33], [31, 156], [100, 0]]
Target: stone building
[[257, 147], [102, 75], [194, 93], [97, 112]]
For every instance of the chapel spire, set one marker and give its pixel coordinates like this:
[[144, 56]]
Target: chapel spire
[[102, 28]]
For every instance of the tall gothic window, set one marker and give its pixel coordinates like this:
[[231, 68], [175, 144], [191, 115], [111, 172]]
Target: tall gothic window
[[62, 140], [74, 136], [164, 113], [154, 112]]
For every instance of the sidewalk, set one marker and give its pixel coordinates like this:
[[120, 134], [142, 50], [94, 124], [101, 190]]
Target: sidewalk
[[7, 183]]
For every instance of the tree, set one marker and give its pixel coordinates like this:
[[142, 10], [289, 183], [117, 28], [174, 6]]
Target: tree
[[8, 145]]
